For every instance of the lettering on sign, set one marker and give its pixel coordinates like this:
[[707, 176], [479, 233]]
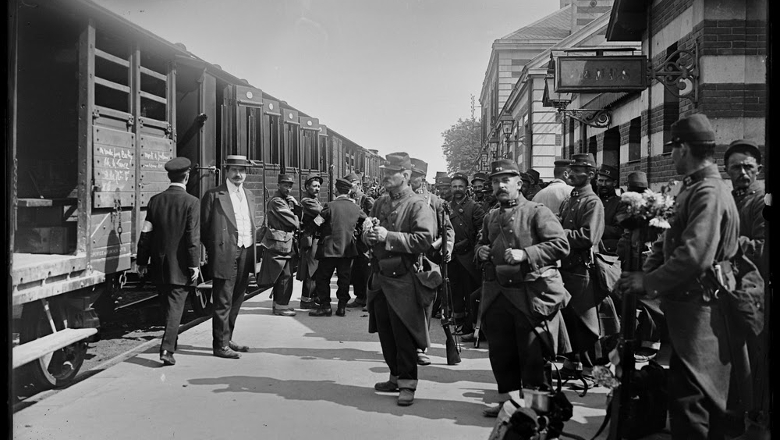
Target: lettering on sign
[[601, 74]]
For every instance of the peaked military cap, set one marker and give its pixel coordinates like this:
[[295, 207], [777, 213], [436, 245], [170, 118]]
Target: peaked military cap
[[444, 180], [743, 145], [534, 174], [695, 127], [313, 177], [352, 177], [562, 162], [343, 184], [237, 160], [479, 176], [609, 171], [177, 165], [637, 180], [285, 178], [503, 166], [419, 166], [583, 160], [461, 176], [397, 162]]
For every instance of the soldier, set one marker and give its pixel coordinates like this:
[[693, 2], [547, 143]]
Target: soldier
[[419, 170], [743, 164], [308, 241], [340, 220], [704, 231], [276, 267], [559, 189], [359, 275], [466, 217], [520, 245], [443, 189], [396, 301], [478, 185], [533, 187], [582, 217], [526, 179], [606, 182], [488, 199]]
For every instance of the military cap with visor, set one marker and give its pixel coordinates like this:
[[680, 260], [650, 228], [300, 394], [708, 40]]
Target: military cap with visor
[[343, 184], [503, 167], [177, 165], [285, 178], [397, 162], [479, 176], [313, 177], [583, 160], [743, 145], [609, 171], [693, 128], [419, 166], [460, 176]]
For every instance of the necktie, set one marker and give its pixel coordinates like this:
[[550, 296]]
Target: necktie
[[240, 196]]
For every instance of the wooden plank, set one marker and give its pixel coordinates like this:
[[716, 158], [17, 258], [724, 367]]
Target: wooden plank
[[108, 137], [110, 180], [112, 239], [32, 291], [111, 85], [26, 353], [112, 113], [156, 143], [33, 267], [45, 203], [156, 187], [114, 264], [114, 59], [155, 176], [152, 97], [106, 199], [149, 72]]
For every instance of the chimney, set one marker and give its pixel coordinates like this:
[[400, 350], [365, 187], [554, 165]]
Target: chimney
[[586, 11]]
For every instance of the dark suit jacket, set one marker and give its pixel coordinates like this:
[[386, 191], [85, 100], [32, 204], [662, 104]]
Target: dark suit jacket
[[174, 242], [219, 230], [342, 216]]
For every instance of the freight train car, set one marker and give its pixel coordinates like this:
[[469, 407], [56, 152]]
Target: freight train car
[[97, 105]]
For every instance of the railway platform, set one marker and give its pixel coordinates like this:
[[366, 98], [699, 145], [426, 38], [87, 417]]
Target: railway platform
[[304, 377]]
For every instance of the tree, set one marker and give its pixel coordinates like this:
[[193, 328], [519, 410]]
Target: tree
[[461, 145]]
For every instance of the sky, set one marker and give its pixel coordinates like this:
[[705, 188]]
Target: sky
[[389, 75]]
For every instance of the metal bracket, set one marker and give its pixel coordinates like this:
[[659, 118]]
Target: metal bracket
[[599, 118], [95, 113], [130, 121], [681, 75]]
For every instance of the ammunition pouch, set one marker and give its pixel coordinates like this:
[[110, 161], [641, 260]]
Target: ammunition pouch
[[393, 267], [510, 275]]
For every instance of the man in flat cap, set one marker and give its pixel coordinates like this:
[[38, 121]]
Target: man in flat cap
[[278, 247], [397, 302], [582, 217], [359, 274], [606, 183], [519, 247], [558, 190], [227, 230], [477, 187], [743, 165], [340, 220], [704, 231], [308, 240], [437, 205], [466, 217], [170, 237], [533, 185]]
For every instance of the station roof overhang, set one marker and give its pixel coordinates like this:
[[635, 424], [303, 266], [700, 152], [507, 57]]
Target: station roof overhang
[[628, 20]]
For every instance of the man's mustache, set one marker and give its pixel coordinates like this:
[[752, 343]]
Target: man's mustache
[[501, 191]]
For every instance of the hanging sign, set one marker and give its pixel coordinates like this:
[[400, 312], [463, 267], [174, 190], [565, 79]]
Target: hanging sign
[[594, 74]]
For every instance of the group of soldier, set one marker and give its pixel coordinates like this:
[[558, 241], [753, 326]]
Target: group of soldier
[[519, 256]]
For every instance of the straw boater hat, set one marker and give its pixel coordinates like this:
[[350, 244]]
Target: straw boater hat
[[236, 160]]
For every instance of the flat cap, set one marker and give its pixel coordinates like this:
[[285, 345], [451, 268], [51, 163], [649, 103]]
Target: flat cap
[[562, 162], [460, 176], [352, 177], [397, 162], [313, 177], [479, 176], [343, 184], [177, 165], [237, 160], [419, 166], [695, 127], [583, 160], [609, 171], [288, 178], [533, 173], [743, 145], [503, 166], [637, 181]]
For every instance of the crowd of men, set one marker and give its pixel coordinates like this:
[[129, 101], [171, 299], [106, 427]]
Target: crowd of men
[[519, 254]]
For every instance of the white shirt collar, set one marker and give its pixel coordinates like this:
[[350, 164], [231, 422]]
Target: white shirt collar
[[232, 187], [180, 185]]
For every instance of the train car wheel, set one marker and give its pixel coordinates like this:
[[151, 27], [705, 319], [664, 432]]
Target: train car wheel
[[56, 369], [201, 302]]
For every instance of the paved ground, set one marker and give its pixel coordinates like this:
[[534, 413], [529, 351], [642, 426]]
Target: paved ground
[[304, 377]]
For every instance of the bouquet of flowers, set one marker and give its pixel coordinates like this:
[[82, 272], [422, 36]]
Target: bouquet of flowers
[[649, 209]]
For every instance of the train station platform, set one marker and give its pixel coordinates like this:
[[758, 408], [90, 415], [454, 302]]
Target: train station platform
[[304, 377]]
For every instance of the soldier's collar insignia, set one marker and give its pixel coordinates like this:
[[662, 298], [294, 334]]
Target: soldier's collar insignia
[[509, 203], [575, 193]]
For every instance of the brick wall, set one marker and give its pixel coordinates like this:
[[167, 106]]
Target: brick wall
[[666, 11], [733, 100]]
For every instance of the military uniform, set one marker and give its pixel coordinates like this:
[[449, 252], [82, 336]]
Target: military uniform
[[278, 253], [466, 217], [308, 247], [522, 318], [582, 217], [396, 301], [359, 274]]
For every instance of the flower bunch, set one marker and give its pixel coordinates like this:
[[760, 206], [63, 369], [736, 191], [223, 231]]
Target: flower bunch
[[650, 208]]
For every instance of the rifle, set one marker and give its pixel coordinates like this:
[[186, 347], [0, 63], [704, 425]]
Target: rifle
[[453, 349]]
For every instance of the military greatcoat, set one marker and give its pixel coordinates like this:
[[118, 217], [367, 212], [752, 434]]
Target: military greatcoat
[[411, 228], [308, 243], [278, 240], [612, 229], [466, 217], [704, 230]]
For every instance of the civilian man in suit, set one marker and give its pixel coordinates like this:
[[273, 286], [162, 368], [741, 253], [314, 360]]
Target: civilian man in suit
[[171, 238], [337, 248], [558, 190], [278, 253], [308, 244], [227, 225]]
